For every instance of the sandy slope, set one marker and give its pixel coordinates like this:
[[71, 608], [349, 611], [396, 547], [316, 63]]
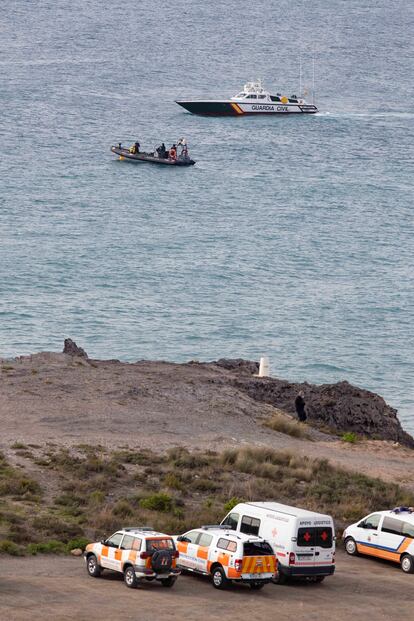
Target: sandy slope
[[58, 398]]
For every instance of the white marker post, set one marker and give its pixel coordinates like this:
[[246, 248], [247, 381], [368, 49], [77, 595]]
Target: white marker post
[[264, 368]]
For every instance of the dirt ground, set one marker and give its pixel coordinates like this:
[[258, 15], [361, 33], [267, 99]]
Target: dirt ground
[[58, 588], [55, 398]]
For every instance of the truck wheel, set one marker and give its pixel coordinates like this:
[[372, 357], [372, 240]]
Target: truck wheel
[[168, 582], [219, 578], [130, 578], [407, 564], [280, 578], [92, 566], [351, 546], [256, 586]]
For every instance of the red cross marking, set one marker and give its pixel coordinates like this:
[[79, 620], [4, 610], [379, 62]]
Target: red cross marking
[[307, 536]]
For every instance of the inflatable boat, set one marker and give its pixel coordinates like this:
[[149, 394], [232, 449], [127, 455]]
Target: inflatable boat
[[153, 157]]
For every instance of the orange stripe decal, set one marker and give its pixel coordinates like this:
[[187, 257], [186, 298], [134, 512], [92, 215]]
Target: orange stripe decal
[[223, 559], [105, 551], [232, 573], [202, 553], [237, 108], [407, 541], [389, 556]]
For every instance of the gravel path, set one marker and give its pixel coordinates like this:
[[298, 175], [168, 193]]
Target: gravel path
[[58, 588]]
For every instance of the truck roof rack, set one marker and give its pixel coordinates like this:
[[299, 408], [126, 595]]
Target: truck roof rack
[[142, 528], [214, 526]]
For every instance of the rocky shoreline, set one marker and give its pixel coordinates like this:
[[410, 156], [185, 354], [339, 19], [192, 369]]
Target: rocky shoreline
[[69, 392], [340, 406]]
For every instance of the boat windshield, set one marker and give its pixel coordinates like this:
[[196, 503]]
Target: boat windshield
[[240, 96]]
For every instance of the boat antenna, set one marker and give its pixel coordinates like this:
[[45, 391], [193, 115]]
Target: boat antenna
[[300, 74], [313, 77]]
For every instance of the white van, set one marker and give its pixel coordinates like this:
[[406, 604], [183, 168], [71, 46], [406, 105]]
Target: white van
[[384, 534], [303, 541]]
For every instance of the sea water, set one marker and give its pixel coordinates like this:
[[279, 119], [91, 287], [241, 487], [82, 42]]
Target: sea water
[[291, 237]]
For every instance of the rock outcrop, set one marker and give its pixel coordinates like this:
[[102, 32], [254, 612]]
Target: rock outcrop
[[341, 406], [72, 349]]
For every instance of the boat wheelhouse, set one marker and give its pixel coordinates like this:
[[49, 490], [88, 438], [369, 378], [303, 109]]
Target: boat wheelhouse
[[253, 99]]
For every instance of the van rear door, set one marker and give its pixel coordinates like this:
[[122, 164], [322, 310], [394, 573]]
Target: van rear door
[[314, 546]]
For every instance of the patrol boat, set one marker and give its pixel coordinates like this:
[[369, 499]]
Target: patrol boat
[[253, 99]]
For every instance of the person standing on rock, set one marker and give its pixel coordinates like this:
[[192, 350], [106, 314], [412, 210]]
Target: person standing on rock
[[300, 407]]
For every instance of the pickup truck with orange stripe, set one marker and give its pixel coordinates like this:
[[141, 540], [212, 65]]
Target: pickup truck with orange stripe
[[224, 555], [387, 535], [140, 553]]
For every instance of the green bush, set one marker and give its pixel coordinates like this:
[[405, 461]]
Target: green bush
[[80, 542], [349, 436], [232, 502], [47, 547], [9, 547], [157, 502]]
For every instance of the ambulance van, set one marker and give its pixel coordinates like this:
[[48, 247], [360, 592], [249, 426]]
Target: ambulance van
[[385, 534], [303, 541]]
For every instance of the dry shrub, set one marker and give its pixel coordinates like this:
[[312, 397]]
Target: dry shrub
[[182, 458], [49, 525], [287, 425], [123, 508], [173, 481]]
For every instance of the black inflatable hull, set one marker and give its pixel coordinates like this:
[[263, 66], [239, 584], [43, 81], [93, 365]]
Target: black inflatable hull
[[148, 157]]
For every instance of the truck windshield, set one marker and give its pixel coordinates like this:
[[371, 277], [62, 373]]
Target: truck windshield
[[257, 548], [315, 536]]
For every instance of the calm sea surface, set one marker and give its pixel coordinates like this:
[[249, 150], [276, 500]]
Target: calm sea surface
[[291, 237]]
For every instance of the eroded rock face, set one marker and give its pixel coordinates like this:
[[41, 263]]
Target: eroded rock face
[[72, 349], [341, 406], [238, 365]]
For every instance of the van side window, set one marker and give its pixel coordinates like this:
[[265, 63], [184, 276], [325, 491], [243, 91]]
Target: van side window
[[371, 521], [249, 525], [407, 530], [205, 540], [226, 544], [127, 542], [231, 521], [223, 543], [391, 525]]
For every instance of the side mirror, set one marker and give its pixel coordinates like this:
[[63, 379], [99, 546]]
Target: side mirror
[[103, 542], [362, 525], [180, 538]]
